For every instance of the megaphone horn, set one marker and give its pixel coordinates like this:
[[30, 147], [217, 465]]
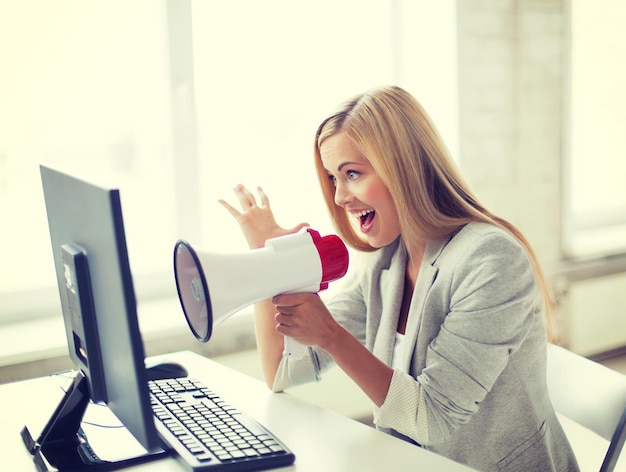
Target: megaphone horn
[[212, 286]]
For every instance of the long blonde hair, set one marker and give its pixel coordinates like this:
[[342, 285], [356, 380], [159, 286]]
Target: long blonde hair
[[395, 134]]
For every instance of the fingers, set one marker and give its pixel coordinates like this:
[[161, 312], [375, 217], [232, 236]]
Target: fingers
[[286, 308], [285, 302], [246, 198], [285, 320], [232, 210], [265, 202]]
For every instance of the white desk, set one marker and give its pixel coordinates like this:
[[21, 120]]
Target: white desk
[[321, 440]]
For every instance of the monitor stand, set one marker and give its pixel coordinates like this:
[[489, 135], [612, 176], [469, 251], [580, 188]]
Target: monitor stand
[[63, 445]]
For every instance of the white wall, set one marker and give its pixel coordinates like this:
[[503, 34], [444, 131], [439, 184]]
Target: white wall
[[513, 91]]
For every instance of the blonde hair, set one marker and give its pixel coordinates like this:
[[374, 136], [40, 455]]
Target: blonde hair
[[395, 134]]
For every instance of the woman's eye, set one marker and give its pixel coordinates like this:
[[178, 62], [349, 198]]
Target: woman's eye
[[333, 179], [352, 174]]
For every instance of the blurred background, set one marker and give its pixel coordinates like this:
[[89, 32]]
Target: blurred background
[[177, 101]]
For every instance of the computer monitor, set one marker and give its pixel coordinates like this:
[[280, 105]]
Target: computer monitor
[[100, 314]]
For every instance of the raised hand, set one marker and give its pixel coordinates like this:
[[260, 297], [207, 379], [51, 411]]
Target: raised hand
[[257, 220]]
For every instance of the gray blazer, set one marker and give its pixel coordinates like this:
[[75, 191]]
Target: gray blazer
[[475, 350]]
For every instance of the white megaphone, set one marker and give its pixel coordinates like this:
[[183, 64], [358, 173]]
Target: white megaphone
[[212, 287]]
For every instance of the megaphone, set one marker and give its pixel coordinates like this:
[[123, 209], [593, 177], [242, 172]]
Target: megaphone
[[212, 286]]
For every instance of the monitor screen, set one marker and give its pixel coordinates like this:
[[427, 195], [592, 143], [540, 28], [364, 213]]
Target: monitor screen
[[98, 299]]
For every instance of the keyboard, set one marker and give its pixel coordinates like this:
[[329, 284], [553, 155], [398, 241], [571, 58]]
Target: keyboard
[[206, 434]]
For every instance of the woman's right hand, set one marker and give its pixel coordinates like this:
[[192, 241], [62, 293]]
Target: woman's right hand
[[257, 221]]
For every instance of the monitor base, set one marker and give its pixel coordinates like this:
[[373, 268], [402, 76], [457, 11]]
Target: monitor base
[[63, 445]]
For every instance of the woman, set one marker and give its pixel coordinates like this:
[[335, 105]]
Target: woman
[[445, 325]]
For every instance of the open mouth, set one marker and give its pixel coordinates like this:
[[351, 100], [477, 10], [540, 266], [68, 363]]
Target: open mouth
[[366, 219]]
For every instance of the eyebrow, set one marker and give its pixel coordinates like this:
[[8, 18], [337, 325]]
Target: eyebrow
[[348, 163], [342, 165]]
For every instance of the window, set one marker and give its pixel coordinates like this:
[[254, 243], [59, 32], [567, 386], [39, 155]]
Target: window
[[267, 73], [95, 86], [85, 92], [260, 98], [595, 201]]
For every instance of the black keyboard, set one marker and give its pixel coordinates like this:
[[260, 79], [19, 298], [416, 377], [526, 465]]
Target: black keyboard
[[207, 434]]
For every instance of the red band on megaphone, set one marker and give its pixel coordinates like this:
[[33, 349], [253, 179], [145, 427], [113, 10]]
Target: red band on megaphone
[[333, 255]]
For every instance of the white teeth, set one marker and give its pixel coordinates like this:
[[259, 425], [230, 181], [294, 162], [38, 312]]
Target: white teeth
[[362, 213]]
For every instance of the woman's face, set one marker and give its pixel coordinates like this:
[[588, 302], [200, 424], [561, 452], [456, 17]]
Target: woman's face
[[360, 191]]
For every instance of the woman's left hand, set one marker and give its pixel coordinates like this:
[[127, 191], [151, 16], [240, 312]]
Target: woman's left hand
[[257, 221]]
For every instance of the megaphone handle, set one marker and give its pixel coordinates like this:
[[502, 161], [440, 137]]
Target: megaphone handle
[[293, 349]]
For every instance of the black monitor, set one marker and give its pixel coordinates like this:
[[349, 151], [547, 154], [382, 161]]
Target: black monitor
[[100, 315]]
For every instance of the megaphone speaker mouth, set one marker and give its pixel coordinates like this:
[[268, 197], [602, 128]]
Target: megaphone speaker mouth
[[193, 291]]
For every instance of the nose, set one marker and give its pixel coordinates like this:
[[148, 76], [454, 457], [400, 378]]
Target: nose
[[342, 194]]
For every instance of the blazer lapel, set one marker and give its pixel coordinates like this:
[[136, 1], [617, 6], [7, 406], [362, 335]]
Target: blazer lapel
[[425, 279], [390, 294]]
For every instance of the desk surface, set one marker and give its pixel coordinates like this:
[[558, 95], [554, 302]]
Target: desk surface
[[321, 440]]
